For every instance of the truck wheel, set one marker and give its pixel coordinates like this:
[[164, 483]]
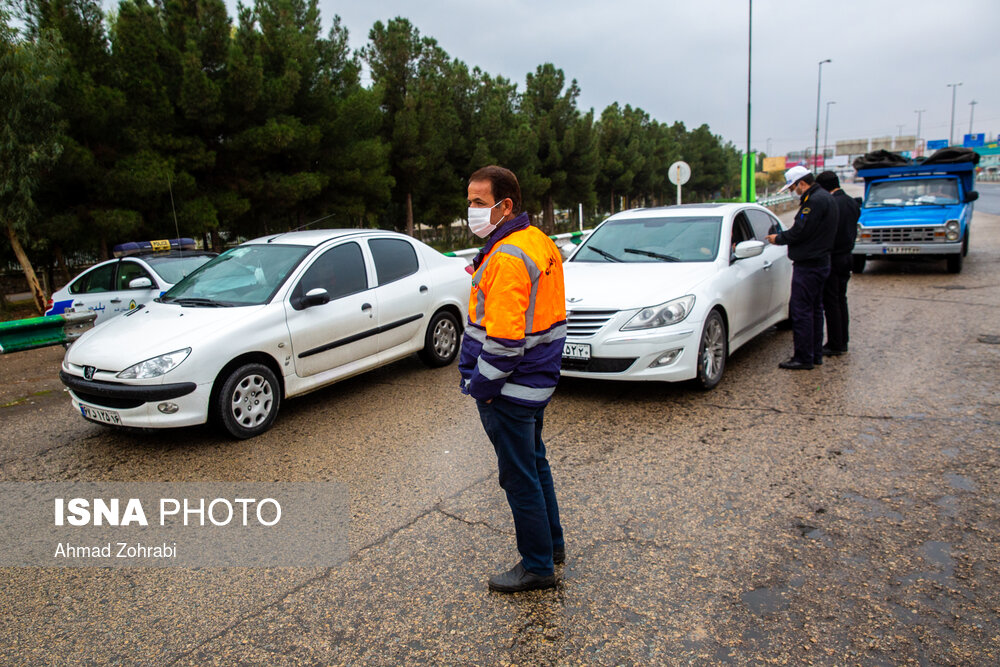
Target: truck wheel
[[248, 401], [441, 341], [712, 352], [955, 263], [858, 263]]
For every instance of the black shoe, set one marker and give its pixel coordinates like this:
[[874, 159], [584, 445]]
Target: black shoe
[[830, 352], [794, 364], [818, 361], [517, 579], [559, 555]]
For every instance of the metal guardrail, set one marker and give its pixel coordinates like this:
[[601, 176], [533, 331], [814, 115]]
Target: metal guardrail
[[34, 332]]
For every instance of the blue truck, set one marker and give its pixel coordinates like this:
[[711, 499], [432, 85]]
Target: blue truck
[[916, 209]]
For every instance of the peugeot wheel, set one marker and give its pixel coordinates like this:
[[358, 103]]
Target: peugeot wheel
[[442, 340], [248, 401], [712, 351]]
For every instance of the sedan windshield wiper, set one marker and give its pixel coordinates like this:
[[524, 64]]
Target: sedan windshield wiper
[[647, 253], [602, 253], [199, 301]]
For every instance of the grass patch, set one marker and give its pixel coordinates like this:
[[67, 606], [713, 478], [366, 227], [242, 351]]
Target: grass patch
[[25, 399]]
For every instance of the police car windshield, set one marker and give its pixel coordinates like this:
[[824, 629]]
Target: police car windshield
[[666, 239], [244, 276], [173, 268], [916, 192]]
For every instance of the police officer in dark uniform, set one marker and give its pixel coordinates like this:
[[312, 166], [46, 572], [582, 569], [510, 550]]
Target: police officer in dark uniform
[[835, 290], [809, 241]]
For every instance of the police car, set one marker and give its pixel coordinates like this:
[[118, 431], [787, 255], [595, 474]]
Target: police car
[[140, 272], [267, 320]]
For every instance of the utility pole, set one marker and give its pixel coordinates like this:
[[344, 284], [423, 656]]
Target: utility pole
[[819, 84], [951, 133], [919, 113], [972, 109]]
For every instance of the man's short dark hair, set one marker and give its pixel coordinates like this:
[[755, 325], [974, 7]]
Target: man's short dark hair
[[808, 179], [828, 180], [503, 184]]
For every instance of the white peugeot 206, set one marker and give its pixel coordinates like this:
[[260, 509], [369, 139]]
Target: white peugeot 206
[[273, 318], [668, 293]]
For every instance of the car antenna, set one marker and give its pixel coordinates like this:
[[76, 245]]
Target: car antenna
[[177, 229], [308, 224]]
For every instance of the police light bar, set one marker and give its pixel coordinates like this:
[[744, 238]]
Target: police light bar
[[163, 245]]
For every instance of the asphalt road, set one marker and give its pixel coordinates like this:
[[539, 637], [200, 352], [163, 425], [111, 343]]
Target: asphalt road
[[989, 198], [845, 515]]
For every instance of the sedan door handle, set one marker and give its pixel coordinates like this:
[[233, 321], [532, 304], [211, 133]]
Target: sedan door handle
[[767, 266], [116, 300], [423, 289]]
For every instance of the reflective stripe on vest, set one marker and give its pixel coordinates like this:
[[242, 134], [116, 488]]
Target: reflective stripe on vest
[[527, 393], [489, 371]]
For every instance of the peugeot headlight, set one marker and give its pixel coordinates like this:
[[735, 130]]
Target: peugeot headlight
[[951, 229], [663, 315], [156, 366]]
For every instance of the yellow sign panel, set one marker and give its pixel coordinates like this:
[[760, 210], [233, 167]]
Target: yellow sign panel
[[161, 245], [774, 164]]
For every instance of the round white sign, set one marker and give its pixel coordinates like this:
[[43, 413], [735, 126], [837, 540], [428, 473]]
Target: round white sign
[[679, 172]]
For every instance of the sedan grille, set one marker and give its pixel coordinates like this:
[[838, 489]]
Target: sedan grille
[[584, 323], [902, 234]]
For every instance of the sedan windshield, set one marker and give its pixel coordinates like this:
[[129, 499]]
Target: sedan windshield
[[918, 192], [173, 268], [248, 275], [667, 239]]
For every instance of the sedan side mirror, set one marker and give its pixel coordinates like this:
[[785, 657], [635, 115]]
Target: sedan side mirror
[[140, 283], [971, 196], [315, 297], [748, 249]]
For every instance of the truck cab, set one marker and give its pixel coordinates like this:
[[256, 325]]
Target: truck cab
[[917, 209]]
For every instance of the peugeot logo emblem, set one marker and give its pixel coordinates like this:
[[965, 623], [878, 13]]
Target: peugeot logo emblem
[[88, 372]]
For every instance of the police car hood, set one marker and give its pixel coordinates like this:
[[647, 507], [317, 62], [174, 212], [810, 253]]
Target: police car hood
[[891, 216], [153, 330], [621, 286]]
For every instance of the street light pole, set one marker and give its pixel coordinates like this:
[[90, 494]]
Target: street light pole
[[747, 167], [826, 130], [919, 113], [951, 133], [819, 83], [972, 109]]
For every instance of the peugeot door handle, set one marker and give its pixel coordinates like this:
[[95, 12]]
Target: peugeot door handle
[[116, 300], [366, 308], [767, 266], [423, 289]]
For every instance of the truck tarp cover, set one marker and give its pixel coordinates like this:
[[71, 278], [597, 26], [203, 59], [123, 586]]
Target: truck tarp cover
[[883, 158]]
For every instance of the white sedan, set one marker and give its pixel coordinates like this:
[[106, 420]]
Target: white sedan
[[273, 318], [668, 293]]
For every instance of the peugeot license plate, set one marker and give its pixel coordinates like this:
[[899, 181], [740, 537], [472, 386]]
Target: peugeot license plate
[[99, 415], [576, 351]]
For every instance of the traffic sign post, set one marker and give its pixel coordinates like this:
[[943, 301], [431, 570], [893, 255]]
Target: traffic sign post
[[679, 173]]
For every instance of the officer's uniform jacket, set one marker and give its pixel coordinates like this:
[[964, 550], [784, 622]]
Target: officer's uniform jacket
[[513, 341]]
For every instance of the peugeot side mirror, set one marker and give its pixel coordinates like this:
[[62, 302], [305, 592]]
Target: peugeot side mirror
[[315, 297], [971, 196], [140, 283]]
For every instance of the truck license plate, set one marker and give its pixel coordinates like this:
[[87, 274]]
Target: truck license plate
[[98, 415], [900, 251], [576, 351]]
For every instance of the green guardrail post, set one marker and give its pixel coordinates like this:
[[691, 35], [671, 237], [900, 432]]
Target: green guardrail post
[[34, 332]]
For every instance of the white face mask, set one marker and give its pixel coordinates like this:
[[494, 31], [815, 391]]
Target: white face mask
[[479, 220]]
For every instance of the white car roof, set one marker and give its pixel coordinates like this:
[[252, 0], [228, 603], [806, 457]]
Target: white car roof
[[722, 209], [315, 237]]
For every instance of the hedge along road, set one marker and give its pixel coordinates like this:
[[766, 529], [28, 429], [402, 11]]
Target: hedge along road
[[847, 514]]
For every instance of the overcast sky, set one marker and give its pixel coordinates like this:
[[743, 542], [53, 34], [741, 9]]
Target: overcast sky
[[686, 60]]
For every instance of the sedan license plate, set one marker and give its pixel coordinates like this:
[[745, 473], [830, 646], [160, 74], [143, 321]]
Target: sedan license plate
[[99, 415], [900, 251], [576, 351]]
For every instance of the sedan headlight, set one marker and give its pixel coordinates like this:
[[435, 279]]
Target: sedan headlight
[[156, 366], [663, 315], [951, 229]]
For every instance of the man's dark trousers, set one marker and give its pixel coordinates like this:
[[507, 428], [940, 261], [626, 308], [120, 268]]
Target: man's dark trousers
[[806, 311], [835, 302], [516, 433]]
